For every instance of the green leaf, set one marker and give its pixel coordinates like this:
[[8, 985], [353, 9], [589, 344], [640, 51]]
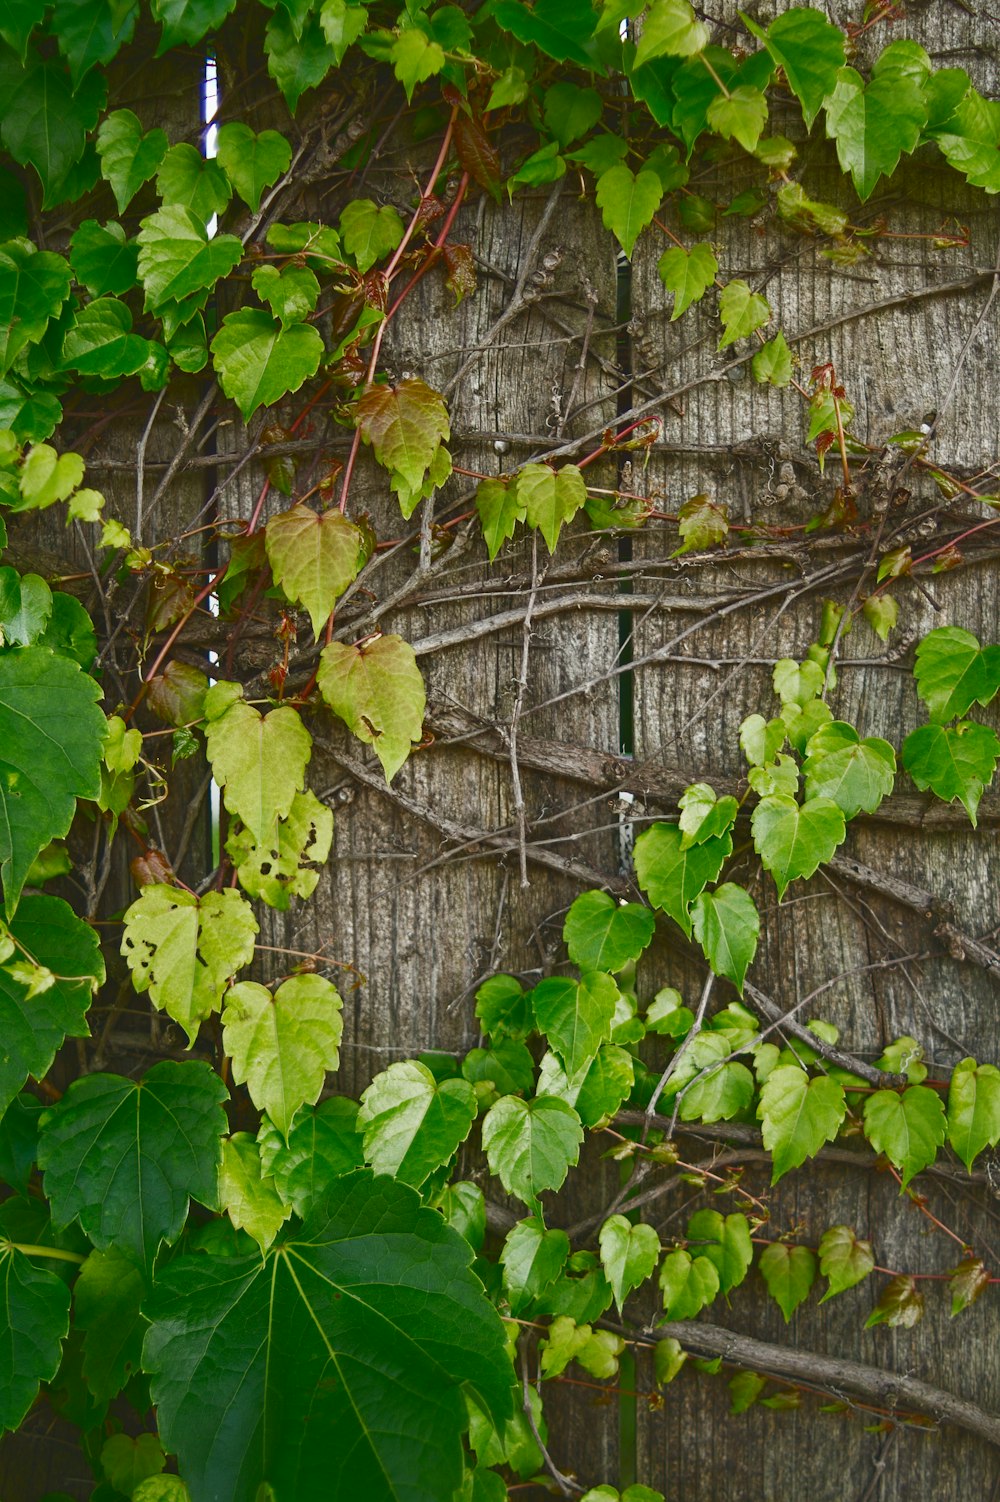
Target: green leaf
[[881, 612], [559, 28], [500, 509], [725, 1241], [323, 1143], [287, 864], [106, 1302], [688, 274], [128, 157], [100, 341], [724, 1092], [809, 49], [506, 1065], [968, 1281], [259, 761], [954, 761], [51, 732], [25, 607], [570, 111], [123, 1157], [671, 876], [44, 118], [901, 1305], [368, 231], [47, 477], [702, 524], [761, 739], [503, 1008], [550, 498], [288, 1368], [34, 1320], [688, 1284], [127, 1462], [314, 558], [670, 29], [668, 1360], [259, 362], [727, 926], [291, 294], [252, 162], [745, 1388], [413, 1124], [953, 672], [789, 1272], [908, 1128], [297, 62], [102, 259], [575, 1016], [18, 1132], [968, 137], [773, 362], [531, 1258], [628, 202], [602, 934], [194, 182], [377, 690], [629, 1254], [33, 1025], [793, 842], [342, 25], [530, 1145], [703, 815], [857, 774], [177, 259], [739, 115], [873, 126], [597, 1351], [246, 1194], [282, 1045], [973, 1109], [844, 1259], [183, 949], [742, 312], [163, 1488], [34, 284], [405, 424], [798, 1115], [415, 58]]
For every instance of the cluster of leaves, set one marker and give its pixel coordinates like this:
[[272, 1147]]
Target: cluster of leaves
[[314, 1307]]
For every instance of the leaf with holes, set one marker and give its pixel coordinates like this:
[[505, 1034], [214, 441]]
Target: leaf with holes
[[908, 1128], [34, 1321], [530, 1145], [51, 733], [602, 934], [844, 1259], [34, 1024], [953, 672], [287, 865], [283, 1045], [727, 926], [672, 876], [810, 50], [412, 1123], [252, 162], [259, 362], [874, 125], [789, 1272], [314, 558], [954, 761], [629, 1254], [688, 274], [798, 1115], [123, 1157], [628, 202], [183, 949], [377, 690], [973, 1109], [857, 774], [793, 841], [742, 312], [259, 761]]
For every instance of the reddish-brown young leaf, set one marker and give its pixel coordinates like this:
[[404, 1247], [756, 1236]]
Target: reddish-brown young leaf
[[477, 154], [461, 276]]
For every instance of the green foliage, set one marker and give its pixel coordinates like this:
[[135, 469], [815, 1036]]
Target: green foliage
[[798, 1115], [908, 1128], [413, 1123], [282, 1045], [789, 1272]]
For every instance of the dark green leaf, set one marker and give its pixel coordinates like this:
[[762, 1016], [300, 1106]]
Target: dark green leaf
[[100, 341], [531, 1258], [954, 761], [809, 49], [91, 32], [128, 158], [43, 120], [857, 774], [34, 1319], [953, 672], [124, 1157], [873, 125], [188, 20], [334, 1367], [102, 259], [323, 1144], [34, 284], [106, 1300], [559, 28], [602, 934], [297, 63]]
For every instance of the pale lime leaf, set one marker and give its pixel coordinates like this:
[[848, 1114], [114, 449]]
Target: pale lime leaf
[[628, 202], [844, 1259], [688, 274], [798, 1115], [282, 1045], [794, 841], [377, 690], [857, 774], [369, 232], [742, 311], [313, 558], [629, 1255], [248, 1196], [727, 926], [687, 1284], [725, 1241], [973, 1109], [575, 1016], [670, 29], [550, 498], [259, 761]]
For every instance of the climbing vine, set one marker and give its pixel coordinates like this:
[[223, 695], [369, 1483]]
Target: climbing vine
[[293, 1293]]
